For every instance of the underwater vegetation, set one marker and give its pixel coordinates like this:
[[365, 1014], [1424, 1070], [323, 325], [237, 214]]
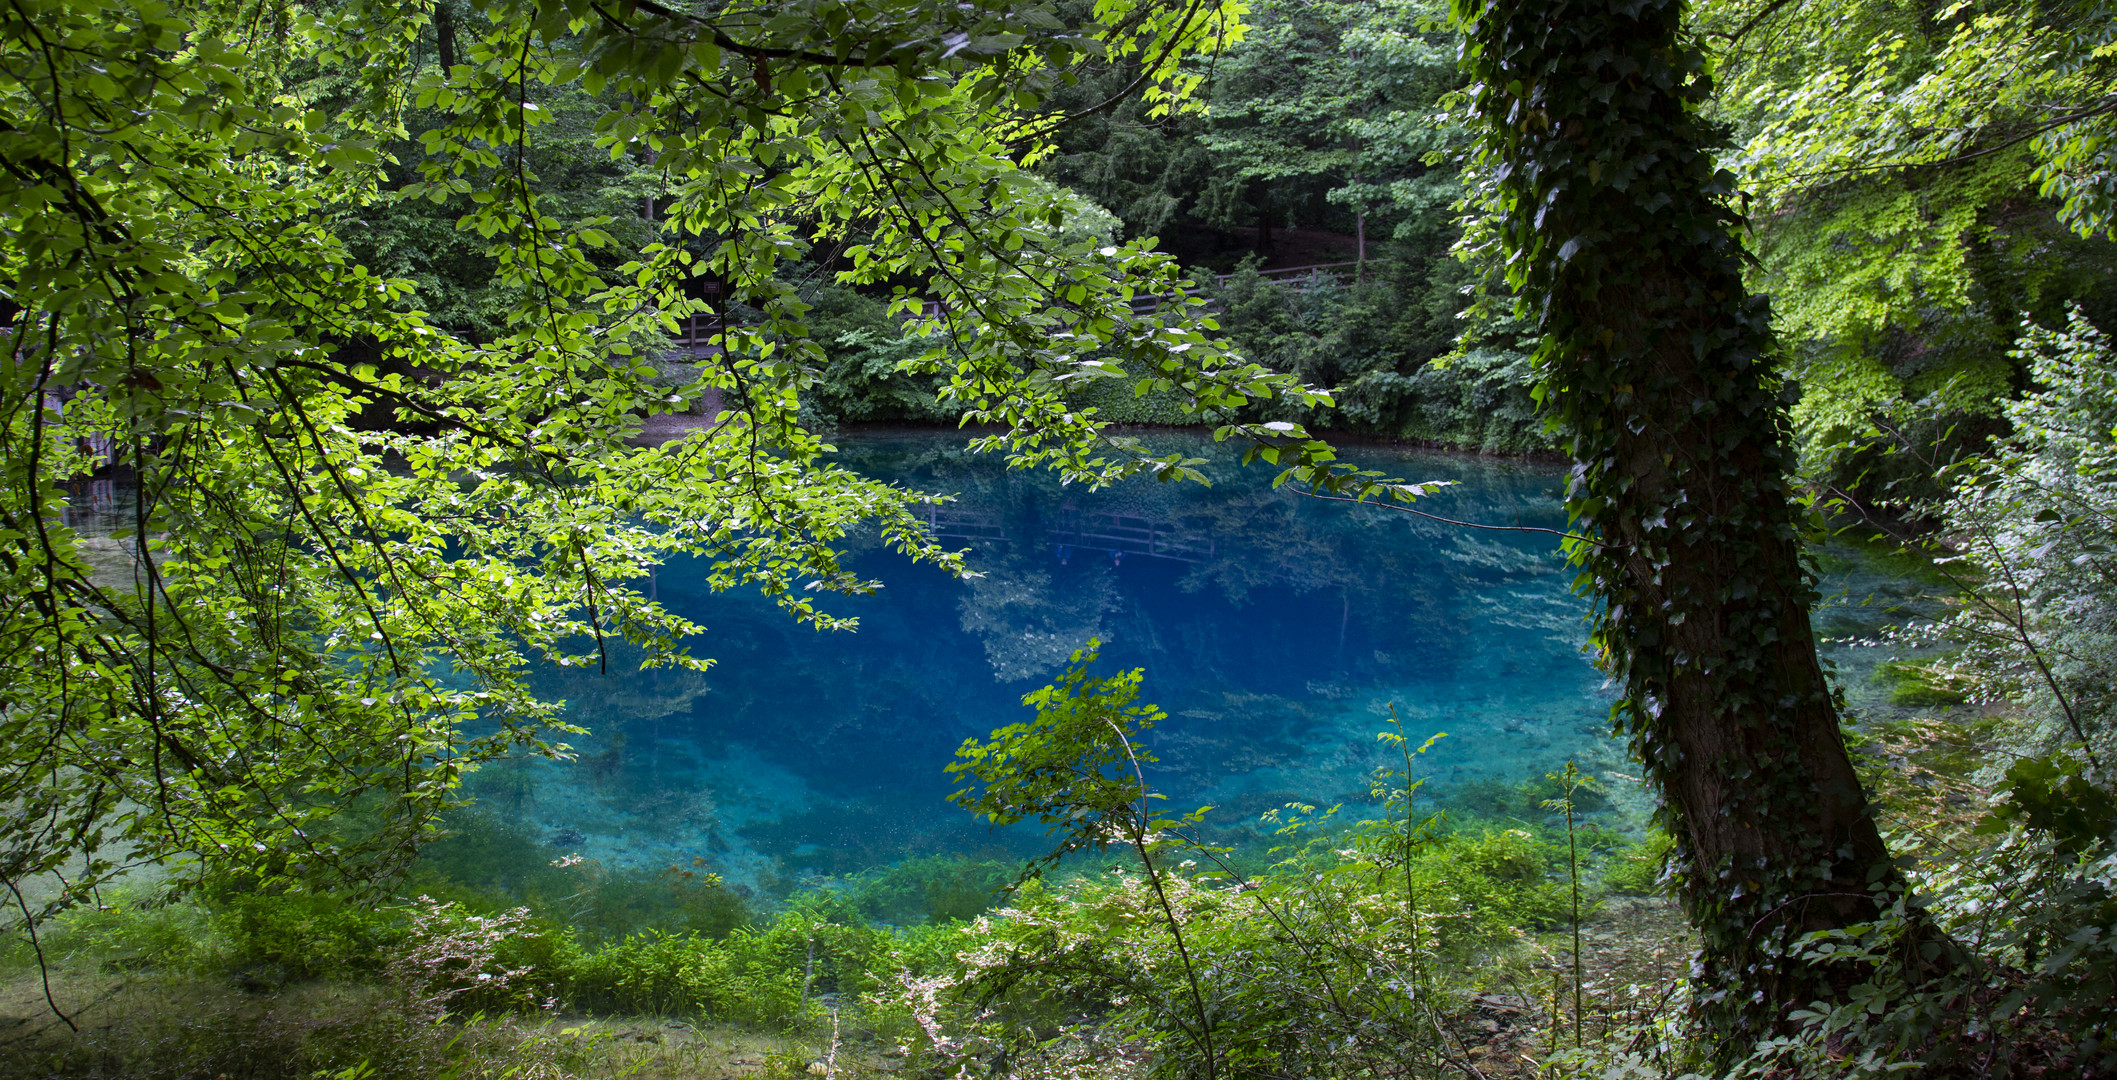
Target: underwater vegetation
[[496, 933]]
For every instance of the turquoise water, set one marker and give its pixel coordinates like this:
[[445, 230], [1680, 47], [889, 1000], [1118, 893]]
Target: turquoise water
[[1276, 631]]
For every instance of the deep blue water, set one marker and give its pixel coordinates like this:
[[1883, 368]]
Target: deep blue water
[[1276, 630]]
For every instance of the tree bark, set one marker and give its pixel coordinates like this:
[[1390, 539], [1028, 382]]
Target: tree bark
[[1656, 363], [1360, 231], [445, 36]]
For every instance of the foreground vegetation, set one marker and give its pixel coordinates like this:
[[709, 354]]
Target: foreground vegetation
[[927, 967], [1504, 929]]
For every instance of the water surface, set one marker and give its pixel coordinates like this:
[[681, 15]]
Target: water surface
[[1276, 630]]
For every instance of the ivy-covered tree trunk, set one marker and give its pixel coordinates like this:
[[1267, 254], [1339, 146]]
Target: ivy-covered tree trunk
[[1656, 363]]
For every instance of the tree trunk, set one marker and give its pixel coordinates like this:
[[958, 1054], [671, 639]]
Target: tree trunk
[[1360, 263], [445, 36], [1657, 364]]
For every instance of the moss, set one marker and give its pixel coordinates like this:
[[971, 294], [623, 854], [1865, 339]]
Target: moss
[[1520, 801], [1925, 697], [1880, 553]]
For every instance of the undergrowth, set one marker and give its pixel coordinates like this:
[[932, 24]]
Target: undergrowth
[[1416, 936], [936, 963]]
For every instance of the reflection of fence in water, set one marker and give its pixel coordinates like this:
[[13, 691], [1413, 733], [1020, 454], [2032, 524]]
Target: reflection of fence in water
[[957, 523], [1109, 534], [1126, 534], [91, 504]]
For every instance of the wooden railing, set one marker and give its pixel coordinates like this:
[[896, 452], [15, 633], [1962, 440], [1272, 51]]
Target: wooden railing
[[1286, 273], [951, 522]]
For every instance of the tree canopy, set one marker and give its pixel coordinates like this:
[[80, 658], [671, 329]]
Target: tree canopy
[[352, 524], [1924, 179]]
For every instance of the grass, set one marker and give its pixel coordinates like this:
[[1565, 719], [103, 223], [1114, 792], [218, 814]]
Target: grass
[[185, 1027], [155, 1025], [234, 985]]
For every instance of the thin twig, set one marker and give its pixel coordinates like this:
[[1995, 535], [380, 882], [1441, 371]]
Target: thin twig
[[29, 924]]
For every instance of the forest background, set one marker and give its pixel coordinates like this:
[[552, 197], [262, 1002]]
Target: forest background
[[316, 265]]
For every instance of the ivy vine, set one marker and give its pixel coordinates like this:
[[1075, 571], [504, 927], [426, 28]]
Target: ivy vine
[[1616, 232]]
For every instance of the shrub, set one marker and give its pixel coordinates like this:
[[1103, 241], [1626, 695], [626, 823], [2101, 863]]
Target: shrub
[[939, 888], [1389, 346], [860, 380], [2038, 518], [1489, 885], [676, 975], [272, 940], [454, 961], [826, 944], [1636, 870], [926, 950], [611, 905], [135, 932], [652, 973], [1316, 968]]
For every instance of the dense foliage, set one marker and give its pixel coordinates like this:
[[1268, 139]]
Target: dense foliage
[[1355, 935], [352, 525], [2033, 522], [1923, 179]]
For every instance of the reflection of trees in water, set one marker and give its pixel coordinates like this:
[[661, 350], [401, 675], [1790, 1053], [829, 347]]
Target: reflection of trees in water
[[1231, 732], [1051, 583], [602, 701], [1477, 551], [1265, 540], [1391, 572], [1029, 627], [1266, 621], [1331, 582]]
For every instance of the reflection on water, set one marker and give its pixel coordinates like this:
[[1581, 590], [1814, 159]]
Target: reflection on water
[[96, 507], [1275, 630]]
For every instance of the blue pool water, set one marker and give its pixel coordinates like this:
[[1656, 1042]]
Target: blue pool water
[[1275, 630]]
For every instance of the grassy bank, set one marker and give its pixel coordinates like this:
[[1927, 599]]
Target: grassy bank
[[1337, 954], [488, 962]]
